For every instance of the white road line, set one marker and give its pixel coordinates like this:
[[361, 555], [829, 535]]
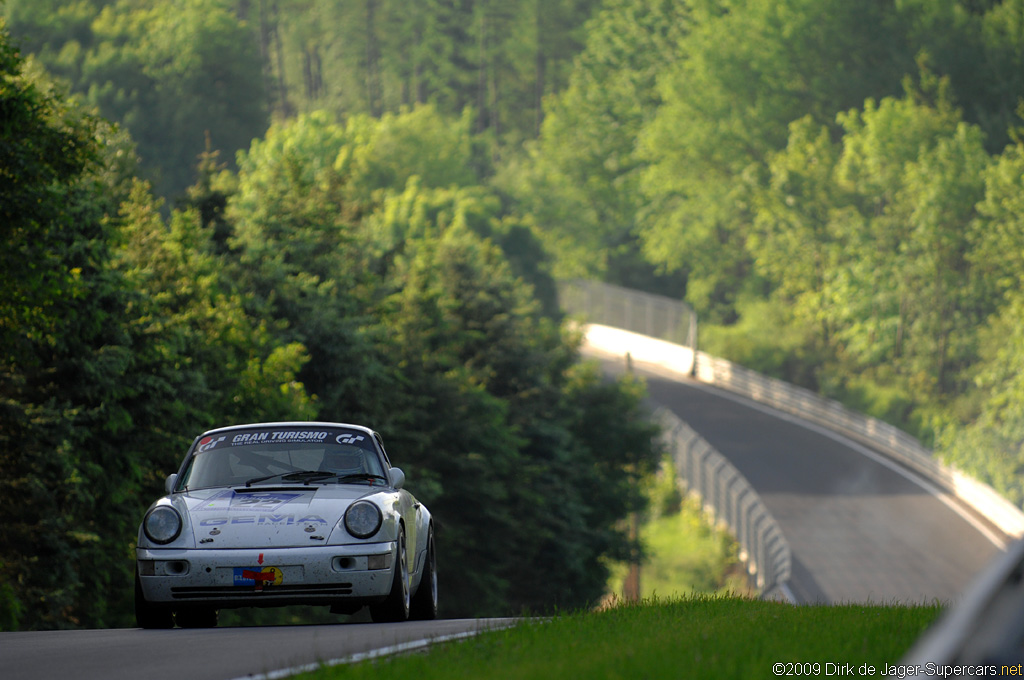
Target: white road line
[[399, 648]]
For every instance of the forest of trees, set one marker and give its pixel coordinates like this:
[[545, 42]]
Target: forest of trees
[[220, 210], [355, 270], [836, 187]]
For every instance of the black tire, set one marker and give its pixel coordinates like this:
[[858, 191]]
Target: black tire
[[396, 607], [147, 614], [423, 606], [200, 617]]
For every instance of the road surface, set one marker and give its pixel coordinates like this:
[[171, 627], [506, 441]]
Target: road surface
[[206, 654], [861, 528]]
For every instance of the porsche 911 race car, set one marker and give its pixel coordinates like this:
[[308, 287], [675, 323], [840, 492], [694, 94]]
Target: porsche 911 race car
[[274, 514]]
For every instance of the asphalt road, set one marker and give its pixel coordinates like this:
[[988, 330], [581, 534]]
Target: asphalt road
[[861, 528], [210, 654]]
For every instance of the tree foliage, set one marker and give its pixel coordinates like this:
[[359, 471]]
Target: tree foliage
[[332, 276], [178, 75], [66, 351], [410, 307], [835, 186], [581, 179], [831, 182]]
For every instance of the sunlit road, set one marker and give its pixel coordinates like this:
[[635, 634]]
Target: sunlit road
[[859, 531], [211, 654]]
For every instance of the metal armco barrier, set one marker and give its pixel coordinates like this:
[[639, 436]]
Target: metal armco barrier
[[728, 498]]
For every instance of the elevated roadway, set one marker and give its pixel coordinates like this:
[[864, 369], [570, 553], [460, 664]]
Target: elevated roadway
[[861, 528]]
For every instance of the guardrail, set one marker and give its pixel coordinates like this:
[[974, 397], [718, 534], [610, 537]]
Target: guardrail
[[727, 496], [677, 362]]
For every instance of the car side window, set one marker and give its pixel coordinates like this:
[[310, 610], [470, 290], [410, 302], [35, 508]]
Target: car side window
[[348, 460], [380, 443]]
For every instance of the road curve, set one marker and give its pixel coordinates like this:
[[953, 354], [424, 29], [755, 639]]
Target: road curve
[[206, 654], [859, 527]]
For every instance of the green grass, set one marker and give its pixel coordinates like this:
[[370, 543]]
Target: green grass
[[700, 637], [683, 554]]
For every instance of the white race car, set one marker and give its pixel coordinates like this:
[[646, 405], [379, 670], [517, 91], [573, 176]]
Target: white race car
[[273, 514]]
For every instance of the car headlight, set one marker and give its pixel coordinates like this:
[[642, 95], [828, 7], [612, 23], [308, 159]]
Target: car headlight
[[162, 524], [363, 519]]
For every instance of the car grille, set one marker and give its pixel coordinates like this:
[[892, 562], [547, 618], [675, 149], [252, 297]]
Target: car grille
[[228, 592]]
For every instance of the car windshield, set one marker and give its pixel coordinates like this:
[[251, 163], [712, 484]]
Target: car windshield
[[262, 456]]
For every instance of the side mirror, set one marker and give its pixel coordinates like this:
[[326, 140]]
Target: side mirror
[[170, 482], [397, 478]]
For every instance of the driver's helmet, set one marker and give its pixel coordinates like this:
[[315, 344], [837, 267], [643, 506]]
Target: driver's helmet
[[343, 462]]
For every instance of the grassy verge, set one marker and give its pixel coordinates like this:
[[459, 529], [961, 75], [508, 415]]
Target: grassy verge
[[683, 554], [703, 636]]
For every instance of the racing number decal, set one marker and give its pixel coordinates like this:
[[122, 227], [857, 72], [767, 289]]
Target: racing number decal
[[264, 501]]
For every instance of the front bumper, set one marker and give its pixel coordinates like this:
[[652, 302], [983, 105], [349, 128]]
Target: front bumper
[[323, 575]]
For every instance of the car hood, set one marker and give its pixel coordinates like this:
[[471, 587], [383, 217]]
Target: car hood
[[279, 517]]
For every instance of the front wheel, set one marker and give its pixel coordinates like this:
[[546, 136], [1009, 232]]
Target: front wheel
[[147, 614], [396, 607], [424, 602]]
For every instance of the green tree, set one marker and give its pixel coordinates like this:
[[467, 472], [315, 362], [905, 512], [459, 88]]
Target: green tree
[[580, 180], [212, 362], [298, 256], [988, 441], [801, 232], [985, 436], [913, 298], [44, 148], [1001, 235], [747, 70], [66, 383], [520, 476], [871, 242], [422, 142], [124, 338], [420, 211], [178, 75]]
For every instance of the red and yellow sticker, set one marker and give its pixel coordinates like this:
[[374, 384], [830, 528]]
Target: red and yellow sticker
[[260, 577]]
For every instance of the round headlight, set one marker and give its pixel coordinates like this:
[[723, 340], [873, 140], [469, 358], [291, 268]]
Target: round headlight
[[162, 524], [363, 519]]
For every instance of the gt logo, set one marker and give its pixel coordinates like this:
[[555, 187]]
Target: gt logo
[[349, 438], [208, 443]]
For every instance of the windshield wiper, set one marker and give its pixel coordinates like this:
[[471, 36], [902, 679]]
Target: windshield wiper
[[307, 476], [304, 476], [362, 477]]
